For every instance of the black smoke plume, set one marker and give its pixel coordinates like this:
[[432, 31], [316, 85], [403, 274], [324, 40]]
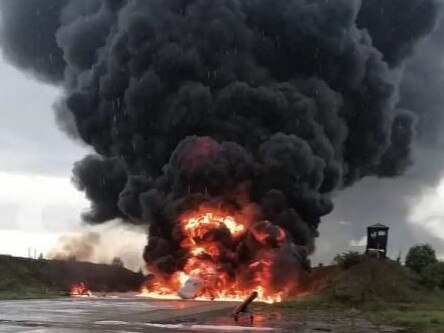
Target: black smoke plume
[[260, 105]]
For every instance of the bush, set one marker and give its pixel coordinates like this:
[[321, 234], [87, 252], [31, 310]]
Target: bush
[[432, 276], [419, 257], [117, 262], [348, 259]]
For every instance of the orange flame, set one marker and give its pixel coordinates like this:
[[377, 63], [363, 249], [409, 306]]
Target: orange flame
[[197, 226], [79, 289], [203, 264]]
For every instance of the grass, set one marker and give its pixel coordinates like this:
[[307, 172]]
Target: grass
[[24, 278], [430, 321], [425, 316], [383, 292], [28, 294]]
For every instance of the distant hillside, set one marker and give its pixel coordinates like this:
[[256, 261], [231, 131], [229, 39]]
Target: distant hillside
[[23, 277]]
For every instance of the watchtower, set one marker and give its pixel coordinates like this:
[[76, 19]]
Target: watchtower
[[377, 236]]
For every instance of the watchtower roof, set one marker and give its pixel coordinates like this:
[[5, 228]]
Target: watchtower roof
[[378, 226]]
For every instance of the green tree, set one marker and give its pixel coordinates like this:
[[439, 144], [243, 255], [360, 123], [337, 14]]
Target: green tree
[[72, 257], [419, 257], [348, 259], [117, 262], [433, 275]]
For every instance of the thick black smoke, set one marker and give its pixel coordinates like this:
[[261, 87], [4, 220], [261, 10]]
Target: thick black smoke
[[264, 104]]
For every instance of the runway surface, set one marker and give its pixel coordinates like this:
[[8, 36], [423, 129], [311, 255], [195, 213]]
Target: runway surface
[[111, 314], [130, 314]]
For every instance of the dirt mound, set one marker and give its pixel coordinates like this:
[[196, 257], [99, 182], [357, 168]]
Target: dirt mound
[[317, 279], [374, 281]]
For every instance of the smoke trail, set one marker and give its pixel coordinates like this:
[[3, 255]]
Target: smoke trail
[[262, 106]]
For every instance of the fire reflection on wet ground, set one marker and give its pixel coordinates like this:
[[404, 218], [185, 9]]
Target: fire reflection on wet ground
[[127, 313]]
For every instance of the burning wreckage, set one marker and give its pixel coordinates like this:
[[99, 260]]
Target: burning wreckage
[[224, 126], [211, 238]]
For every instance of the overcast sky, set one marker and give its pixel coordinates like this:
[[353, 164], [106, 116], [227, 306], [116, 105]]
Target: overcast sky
[[37, 199], [38, 203]]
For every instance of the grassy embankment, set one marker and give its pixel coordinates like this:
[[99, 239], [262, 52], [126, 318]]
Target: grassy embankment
[[22, 278], [382, 291]]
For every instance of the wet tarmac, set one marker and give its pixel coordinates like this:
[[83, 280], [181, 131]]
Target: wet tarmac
[[110, 314], [302, 321], [127, 314]]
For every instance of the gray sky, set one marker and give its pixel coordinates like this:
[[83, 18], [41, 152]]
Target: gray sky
[[37, 200], [38, 203], [30, 141], [417, 217]]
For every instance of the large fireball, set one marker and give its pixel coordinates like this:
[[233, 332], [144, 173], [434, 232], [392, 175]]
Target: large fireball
[[211, 239]]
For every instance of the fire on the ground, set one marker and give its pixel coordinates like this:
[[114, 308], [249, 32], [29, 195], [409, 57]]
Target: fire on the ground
[[203, 275], [79, 289]]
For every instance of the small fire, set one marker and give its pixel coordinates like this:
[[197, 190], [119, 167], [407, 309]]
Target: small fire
[[203, 276], [79, 289]]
